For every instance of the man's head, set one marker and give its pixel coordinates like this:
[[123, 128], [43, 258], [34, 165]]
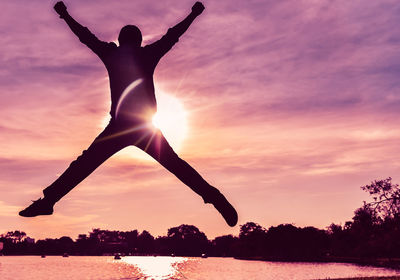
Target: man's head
[[130, 35]]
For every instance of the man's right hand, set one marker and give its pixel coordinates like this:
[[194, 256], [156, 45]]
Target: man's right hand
[[60, 8], [197, 8]]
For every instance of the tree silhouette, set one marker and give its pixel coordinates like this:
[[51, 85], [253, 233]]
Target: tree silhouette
[[252, 239], [145, 243], [187, 240], [225, 246], [386, 196], [15, 236]]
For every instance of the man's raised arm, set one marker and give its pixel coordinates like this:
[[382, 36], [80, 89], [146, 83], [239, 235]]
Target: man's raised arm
[[181, 27], [163, 45], [83, 33]]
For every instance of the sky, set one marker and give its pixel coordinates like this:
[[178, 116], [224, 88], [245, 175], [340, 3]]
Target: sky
[[291, 107]]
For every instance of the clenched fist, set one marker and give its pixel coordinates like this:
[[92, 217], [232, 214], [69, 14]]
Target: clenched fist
[[60, 8], [197, 8]]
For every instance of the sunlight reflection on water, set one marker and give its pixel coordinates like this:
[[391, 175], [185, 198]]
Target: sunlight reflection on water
[[157, 268]]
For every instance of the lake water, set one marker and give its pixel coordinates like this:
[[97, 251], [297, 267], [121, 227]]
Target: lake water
[[173, 268]]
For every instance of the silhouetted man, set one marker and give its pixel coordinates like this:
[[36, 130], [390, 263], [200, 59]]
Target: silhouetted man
[[133, 103]]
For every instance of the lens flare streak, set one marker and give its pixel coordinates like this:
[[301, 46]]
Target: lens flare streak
[[125, 93]]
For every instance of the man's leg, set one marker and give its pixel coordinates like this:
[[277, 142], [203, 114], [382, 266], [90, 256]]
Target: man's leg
[[157, 146], [99, 151]]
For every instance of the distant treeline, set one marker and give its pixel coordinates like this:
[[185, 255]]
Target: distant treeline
[[362, 237], [374, 232]]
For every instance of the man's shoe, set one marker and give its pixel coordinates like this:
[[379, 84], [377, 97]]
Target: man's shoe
[[225, 208], [38, 207]]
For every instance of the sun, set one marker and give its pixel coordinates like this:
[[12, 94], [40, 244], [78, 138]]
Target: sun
[[171, 119]]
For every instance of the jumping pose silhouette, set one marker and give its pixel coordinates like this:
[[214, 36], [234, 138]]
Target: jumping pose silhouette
[[130, 68]]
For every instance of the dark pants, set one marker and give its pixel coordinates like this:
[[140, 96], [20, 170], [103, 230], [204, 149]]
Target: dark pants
[[116, 136]]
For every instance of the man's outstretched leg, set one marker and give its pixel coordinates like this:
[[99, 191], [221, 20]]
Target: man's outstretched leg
[[100, 150], [157, 146]]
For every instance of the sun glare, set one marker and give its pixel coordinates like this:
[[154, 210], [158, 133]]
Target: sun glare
[[171, 119]]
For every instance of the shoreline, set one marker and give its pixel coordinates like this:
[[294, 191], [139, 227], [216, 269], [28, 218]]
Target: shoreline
[[393, 263], [366, 278]]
